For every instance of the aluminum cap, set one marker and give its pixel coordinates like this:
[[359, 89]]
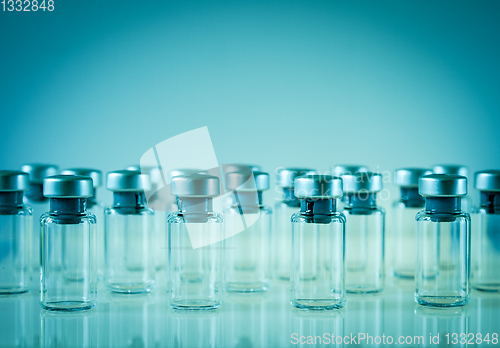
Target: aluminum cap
[[341, 169], [68, 186], [195, 186], [242, 181], [39, 171], [451, 169], [95, 174], [153, 172], [286, 176], [14, 180], [442, 185], [408, 177], [182, 171], [362, 182], [127, 181], [318, 186], [487, 180]]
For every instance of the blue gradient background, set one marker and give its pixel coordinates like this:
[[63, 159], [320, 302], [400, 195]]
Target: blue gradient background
[[310, 83]]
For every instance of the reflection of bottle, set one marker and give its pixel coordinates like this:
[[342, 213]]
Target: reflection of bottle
[[456, 169], [364, 233], [443, 242], [15, 233], [341, 169], [283, 210], [38, 203], [318, 264], [486, 233], [95, 207], [248, 247], [68, 268], [72, 329], [19, 314], [128, 233], [403, 227], [195, 329], [194, 244]]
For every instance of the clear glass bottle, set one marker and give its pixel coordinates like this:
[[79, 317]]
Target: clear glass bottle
[[247, 242], [39, 204], [287, 205], [486, 233], [365, 233], [68, 266], [195, 244], [128, 234], [341, 169], [95, 207], [456, 169], [317, 277], [403, 223], [443, 242], [16, 226]]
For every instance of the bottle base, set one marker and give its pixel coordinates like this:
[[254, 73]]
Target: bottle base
[[68, 306], [13, 290], [321, 304], [129, 288], [363, 290], [195, 305], [247, 287], [403, 274], [487, 287], [442, 301]]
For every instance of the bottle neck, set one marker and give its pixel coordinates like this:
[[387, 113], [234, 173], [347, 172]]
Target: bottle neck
[[132, 199], [68, 206], [411, 198], [490, 201], [251, 199], [317, 206], [289, 197], [361, 202], [11, 198], [35, 193], [189, 205], [443, 205]]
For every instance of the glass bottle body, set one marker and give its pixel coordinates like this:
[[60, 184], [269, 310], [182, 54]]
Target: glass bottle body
[[282, 237], [16, 231], [97, 208], [365, 257], [443, 259], [68, 264], [247, 256], [195, 260], [128, 249], [318, 261], [39, 205], [485, 275]]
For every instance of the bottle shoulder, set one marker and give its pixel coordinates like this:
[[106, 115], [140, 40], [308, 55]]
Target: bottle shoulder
[[377, 210], [210, 217], [425, 215], [51, 218], [114, 210], [299, 217], [22, 210]]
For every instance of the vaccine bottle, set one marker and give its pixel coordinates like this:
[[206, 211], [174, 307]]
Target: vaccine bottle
[[247, 242], [443, 242], [286, 206], [195, 244], [39, 204], [341, 169], [16, 226], [456, 169], [318, 265], [96, 207], [403, 223], [365, 233], [486, 232], [68, 267], [129, 265]]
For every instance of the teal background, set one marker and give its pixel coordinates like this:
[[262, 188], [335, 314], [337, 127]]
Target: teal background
[[287, 83]]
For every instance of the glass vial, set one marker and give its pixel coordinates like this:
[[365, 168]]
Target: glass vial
[[287, 205], [443, 242], [129, 265], [95, 207], [194, 244], [341, 169], [456, 169], [403, 223], [486, 232], [15, 233], [317, 277], [39, 204], [247, 234], [68, 266], [365, 233]]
